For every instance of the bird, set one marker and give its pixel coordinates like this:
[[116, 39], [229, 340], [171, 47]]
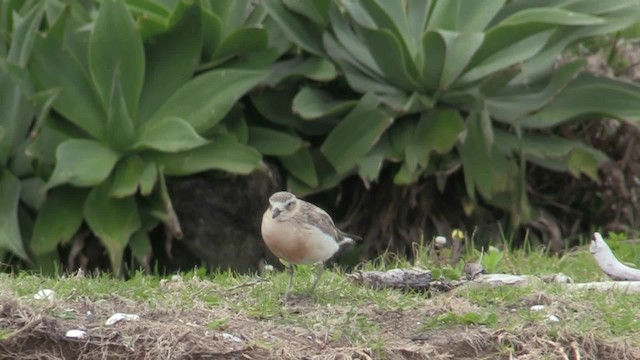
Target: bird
[[301, 233]]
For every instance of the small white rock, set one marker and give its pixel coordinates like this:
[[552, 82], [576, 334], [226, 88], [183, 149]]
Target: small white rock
[[537, 307], [176, 278], [554, 318], [440, 241], [231, 337], [120, 316], [76, 334], [45, 294], [268, 268]]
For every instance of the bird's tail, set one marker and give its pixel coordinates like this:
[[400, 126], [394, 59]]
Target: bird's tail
[[348, 239]]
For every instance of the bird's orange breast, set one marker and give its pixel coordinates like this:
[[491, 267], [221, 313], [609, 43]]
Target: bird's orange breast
[[284, 241]]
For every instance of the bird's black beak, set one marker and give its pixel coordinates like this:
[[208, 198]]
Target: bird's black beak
[[275, 213]]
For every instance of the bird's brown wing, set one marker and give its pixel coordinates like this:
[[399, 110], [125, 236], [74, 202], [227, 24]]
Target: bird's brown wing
[[313, 215]]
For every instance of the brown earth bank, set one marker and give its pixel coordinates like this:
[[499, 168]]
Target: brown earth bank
[[36, 330]]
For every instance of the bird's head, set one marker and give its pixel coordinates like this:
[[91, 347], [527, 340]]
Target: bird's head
[[282, 205]]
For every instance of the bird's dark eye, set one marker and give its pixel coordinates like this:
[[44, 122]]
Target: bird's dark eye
[[290, 205]]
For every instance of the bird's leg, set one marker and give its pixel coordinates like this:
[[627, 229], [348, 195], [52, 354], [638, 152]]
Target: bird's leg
[[286, 295], [319, 272]]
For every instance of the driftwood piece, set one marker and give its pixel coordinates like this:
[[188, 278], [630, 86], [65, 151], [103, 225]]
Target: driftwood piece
[[403, 279], [623, 286], [608, 262]]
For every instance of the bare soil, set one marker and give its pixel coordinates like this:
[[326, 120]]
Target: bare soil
[[36, 330]]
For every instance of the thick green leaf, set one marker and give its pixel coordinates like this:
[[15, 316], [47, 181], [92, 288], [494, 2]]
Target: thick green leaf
[[511, 107], [445, 15], [24, 34], [485, 168], [300, 164], [314, 68], [32, 192], [305, 34], [356, 134], [140, 246], [392, 58], [541, 64], [435, 131], [273, 142], [346, 47], [589, 95], [120, 128], [54, 67], [460, 49], [553, 152], [15, 116], [223, 153], [10, 238], [82, 162], [212, 32], [316, 10], [59, 219], [205, 100], [312, 103], [112, 220], [115, 49], [129, 174], [391, 16], [148, 179], [433, 43], [478, 14], [171, 134], [508, 56], [551, 15], [170, 62], [240, 42]]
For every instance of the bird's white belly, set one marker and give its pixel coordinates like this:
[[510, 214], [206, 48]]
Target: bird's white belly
[[297, 243]]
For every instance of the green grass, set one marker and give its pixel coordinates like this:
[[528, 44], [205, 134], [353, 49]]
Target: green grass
[[349, 314]]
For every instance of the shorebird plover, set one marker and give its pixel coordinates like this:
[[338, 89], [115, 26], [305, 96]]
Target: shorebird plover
[[301, 233]]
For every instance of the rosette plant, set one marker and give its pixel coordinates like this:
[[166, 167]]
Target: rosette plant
[[444, 84], [128, 111]]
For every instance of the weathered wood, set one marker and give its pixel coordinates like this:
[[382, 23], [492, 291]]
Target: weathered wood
[[403, 279], [608, 262]]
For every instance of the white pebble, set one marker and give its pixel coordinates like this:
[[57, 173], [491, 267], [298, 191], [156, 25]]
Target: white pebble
[[554, 318], [176, 278], [231, 337], [440, 241], [537, 307], [43, 294], [76, 334], [120, 316]]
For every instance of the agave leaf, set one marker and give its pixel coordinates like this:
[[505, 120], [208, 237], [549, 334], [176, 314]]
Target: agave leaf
[[59, 219], [112, 220], [509, 108], [223, 153], [589, 95], [312, 104], [170, 60], [300, 164], [116, 47], [82, 162], [508, 56], [551, 15], [10, 237], [305, 34], [273, 142], [355, 135]]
